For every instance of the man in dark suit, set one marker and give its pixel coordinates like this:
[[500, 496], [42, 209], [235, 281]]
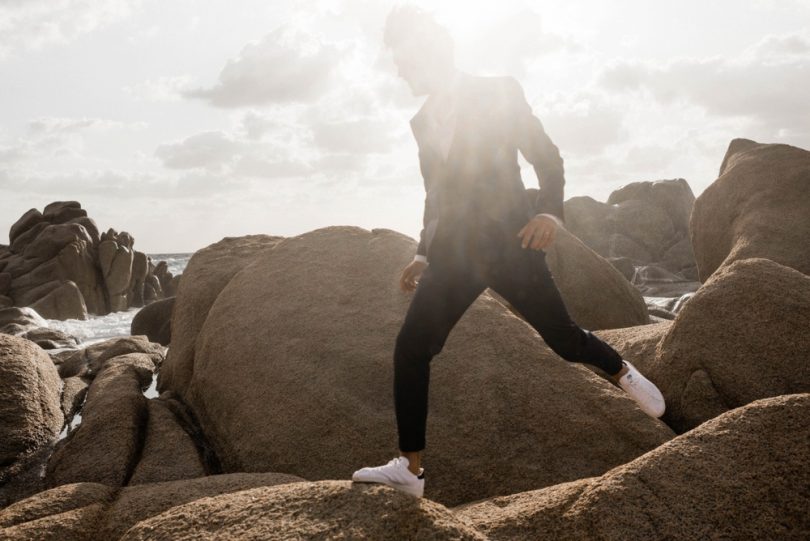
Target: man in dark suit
[[479, 230]]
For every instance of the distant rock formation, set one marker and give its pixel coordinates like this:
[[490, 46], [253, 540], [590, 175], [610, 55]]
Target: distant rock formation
[[647, 222], [58, 264], [758, 207]]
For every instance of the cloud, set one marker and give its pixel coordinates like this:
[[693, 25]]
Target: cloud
[[287, 65], [228, 153], [54, 137], [759, 84], [582, 123], [161, 89], [353, 136], [33, 24], [509, 44], [117, 184], [210, 149]]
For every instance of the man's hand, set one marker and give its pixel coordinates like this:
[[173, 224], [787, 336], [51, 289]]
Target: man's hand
[[410, 275], [538, 233]]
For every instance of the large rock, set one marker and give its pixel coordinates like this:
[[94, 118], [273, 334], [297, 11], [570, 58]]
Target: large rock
[[637, 344], [759, 206], [308, 510], [647, 222], [62, 301], [742, 475], [90, 511], [30, 412], [319, 314], [58, 263], [168, 452], [207, 272], [742, 336], [116, 268], [105, 447], [596, 294], [154, 320], [88, 361]]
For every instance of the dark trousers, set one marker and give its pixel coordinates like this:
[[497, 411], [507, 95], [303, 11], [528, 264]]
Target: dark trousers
[[466, 257]]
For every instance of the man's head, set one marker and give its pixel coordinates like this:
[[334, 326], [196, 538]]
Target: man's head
[[422, 48]]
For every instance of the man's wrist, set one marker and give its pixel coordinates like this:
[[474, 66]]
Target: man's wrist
[[421, 258], [553, 217]]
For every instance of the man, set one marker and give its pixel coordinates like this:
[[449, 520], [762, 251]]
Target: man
[[479, 230]]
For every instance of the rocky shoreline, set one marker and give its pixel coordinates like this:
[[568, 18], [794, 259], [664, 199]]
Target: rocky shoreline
[[273, 367]]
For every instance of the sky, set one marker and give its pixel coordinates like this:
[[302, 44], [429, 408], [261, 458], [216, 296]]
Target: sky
[[183, 122]]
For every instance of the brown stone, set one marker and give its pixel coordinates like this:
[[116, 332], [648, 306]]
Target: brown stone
[[24, 223], [103, 449], [168, 453], [759, 206], [741, 337], [30, 414], [308, 510], [89, 511], [53, 238], [742, 475], [116, 267], [498, 395], [636, 344], [63, 302], [154, 320], [208, 271], [596, 295]]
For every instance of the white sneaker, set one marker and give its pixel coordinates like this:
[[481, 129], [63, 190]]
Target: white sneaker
[[643, 391], [394, 474]]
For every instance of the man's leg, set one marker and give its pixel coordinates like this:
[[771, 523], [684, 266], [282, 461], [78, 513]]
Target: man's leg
[[443, 294], [522, 277]]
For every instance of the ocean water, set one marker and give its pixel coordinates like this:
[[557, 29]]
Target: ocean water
[[99, 328]]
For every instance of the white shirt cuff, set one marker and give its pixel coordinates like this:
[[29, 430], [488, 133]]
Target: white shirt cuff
[[555, 218], [419, 257]]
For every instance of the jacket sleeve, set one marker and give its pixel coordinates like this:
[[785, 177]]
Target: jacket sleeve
[[537, 148], [430, 215]]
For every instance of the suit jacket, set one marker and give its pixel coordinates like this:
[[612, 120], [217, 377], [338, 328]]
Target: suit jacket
[[481, 173]]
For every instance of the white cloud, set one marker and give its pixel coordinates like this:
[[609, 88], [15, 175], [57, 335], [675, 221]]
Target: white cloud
[[54, 137], [510, 43], [353, 136], [228, 153], [161, 89], [33, 24], [287, 65], [211, 150], [760, 84], [582, 122]]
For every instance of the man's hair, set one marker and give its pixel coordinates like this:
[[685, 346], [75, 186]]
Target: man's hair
[[408, 25]]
